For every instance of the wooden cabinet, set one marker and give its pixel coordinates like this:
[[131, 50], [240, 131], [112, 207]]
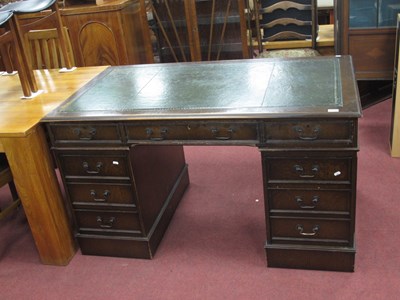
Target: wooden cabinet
[[113, 33], [367, 32], [197, 30]]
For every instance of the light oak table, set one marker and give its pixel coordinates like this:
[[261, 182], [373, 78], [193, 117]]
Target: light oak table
[[23, 140]]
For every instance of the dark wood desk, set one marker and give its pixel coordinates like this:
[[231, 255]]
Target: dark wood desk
[[118, 143]]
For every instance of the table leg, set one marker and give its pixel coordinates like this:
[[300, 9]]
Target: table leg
[[40, 194]]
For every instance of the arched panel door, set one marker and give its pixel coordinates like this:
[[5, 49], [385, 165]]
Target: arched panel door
[[98, 45]]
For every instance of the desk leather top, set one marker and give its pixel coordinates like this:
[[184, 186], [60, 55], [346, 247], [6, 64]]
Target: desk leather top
[[258, 88]]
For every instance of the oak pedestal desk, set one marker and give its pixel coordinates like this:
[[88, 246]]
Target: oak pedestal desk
[[119, 145]]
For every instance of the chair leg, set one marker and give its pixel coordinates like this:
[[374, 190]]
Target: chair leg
[[26, 76], [13, 190], [5, 55], [61, 34]]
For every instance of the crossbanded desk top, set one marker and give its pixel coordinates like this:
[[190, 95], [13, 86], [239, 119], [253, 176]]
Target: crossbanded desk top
[[270, 88]]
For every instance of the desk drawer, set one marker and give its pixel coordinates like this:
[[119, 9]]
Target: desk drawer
[[112, 222], [309, 169], [318, 133], [196, 131], [84, 133], [315, 231], [110, 194], [95, 164], [306, 201]]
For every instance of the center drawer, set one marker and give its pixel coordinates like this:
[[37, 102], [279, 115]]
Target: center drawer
[[193, 131]]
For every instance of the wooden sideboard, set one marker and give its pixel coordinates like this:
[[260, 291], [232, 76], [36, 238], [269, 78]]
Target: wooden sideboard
[[112, 33]]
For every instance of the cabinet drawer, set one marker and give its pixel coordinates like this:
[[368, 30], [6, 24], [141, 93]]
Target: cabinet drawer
[[92, 133], [329, 169], [318, 133], [304, 201], [109, 194], [298, 230], [105, 164], [196, 131], [113, 222]]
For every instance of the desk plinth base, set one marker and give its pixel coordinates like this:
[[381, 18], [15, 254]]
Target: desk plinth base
[[137, 247], [312, 258]]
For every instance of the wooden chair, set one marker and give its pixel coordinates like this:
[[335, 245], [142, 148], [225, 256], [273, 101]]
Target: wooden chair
[[51, 19], [6, 178], [9, 37], [290, 25], [44, 49], [14, 33]]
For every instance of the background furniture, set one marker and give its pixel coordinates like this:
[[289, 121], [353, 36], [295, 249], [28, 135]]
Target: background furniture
[[44, 49], [395, 125], [291, 23], [113, 33], [25, 143], [302, 115], [367, 31], [7, 179], [10, 37], [200, 30]]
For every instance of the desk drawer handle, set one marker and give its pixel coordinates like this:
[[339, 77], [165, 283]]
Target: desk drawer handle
[[163, 134], [106, 194], [302, 135], [217, 135], [300, 229], [300, 202], [300, 171], [106, 224], [85, 134], [85, 166]]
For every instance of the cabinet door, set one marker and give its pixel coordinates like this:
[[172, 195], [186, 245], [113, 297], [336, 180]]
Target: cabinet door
[[114, 35], [368, 34]]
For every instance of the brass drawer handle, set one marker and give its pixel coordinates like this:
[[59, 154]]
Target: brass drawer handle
[[106, 194], [85, 134], [300, 202], [85, 166], [216, 134], [302, 135], [300, 229], [107, 224], [301, 172], [163, 134]]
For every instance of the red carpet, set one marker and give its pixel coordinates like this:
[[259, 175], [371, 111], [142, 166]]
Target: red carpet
[[213, 248]]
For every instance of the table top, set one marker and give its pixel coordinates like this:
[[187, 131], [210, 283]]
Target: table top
[[18, 116], [255, 88]]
